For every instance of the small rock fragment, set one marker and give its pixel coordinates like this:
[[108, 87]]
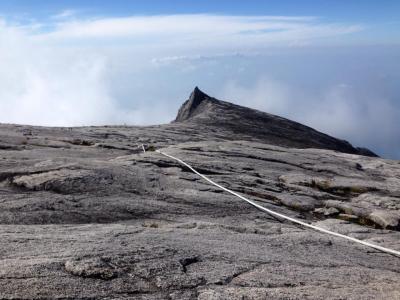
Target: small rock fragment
[[96, 267], [327, 211], [347, 217]]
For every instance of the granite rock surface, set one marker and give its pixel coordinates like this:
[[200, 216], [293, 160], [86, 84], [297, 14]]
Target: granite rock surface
[[85, 214]]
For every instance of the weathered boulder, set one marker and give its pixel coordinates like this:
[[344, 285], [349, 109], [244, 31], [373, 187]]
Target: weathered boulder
[[386, 219]]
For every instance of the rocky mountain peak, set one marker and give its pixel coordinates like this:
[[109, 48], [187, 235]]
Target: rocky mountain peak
[[239, 122], [190, 107], [197, 95]]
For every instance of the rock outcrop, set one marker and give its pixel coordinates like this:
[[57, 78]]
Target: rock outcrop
[[85, 214]]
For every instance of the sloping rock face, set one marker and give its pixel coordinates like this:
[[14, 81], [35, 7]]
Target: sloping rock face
[[251, 124], [85, 214]]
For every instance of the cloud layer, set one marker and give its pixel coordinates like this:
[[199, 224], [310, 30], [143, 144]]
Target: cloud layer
[[69, 71], [342, 110]]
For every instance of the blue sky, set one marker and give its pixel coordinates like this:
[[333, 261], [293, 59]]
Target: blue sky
[[350, 10], [382, 16], [333, 65]]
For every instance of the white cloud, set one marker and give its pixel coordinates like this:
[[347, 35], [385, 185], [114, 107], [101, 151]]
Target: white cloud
[[66, 72], [138, 70], [199, 31], [340, 110], [266, 94], [65, 14], [191, 25]]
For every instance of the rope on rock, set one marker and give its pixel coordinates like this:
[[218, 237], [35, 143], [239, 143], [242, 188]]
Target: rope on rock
[[276, 214]]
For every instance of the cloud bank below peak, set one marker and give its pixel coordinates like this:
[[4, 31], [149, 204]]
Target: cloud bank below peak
[[72, 70]]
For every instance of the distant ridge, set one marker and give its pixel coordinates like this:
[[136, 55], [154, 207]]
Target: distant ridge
[[245, 123]]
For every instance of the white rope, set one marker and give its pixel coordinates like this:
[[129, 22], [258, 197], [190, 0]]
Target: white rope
[[387, 250]]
